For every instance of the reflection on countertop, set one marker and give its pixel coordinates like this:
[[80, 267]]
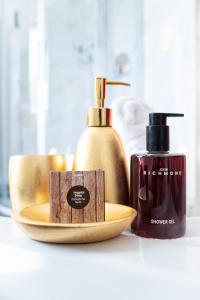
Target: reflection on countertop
[[118, 268]]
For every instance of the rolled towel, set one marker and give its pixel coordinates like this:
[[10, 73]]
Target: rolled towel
[[130, 118]]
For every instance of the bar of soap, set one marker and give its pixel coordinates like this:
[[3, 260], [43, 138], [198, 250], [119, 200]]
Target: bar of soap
[[77, 197]]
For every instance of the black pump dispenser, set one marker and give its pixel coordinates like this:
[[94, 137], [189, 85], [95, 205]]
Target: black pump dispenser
[[157, 133]]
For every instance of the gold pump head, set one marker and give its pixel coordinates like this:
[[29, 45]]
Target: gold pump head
[[100, 116]]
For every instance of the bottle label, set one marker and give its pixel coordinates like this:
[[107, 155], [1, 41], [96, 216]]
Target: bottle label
[[163, 222], [78, 197], [163, 172]]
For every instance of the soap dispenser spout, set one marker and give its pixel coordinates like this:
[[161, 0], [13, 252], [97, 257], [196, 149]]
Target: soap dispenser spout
[[99, 115], [100, 89]]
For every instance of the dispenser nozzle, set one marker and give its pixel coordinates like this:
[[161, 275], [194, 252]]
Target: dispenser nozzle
[[158, 131], [100, 89], [161, 118]]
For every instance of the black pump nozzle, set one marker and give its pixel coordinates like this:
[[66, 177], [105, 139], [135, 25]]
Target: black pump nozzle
[[158, 131], [161, 118]]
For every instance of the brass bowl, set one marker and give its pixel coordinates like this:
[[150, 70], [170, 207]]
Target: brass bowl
[[34, 221], [29, 178]]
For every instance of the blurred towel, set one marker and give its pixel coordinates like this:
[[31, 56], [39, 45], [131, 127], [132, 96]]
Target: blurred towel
[[130, 119]]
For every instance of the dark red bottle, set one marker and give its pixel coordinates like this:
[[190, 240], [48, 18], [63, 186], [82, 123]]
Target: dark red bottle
[[158, 185]]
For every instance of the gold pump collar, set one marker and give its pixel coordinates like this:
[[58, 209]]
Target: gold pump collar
[[100, 116]]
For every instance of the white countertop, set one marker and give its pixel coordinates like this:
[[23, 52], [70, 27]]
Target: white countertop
[[126, 267]]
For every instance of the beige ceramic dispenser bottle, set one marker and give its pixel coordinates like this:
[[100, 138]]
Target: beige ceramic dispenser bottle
[[100, 147]]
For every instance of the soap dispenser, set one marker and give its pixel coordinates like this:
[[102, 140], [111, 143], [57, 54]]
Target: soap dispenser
[[100, 147]]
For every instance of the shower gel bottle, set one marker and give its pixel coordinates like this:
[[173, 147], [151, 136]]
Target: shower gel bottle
[[158, 184]]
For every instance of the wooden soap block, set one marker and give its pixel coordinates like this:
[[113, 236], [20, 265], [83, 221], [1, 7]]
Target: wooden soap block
[[77, 197]]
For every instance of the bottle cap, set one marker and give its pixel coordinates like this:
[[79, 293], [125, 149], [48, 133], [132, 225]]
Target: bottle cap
[[99, 116], [157, 133]]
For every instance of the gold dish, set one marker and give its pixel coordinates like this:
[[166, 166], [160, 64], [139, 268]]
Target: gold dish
[[34, 221]]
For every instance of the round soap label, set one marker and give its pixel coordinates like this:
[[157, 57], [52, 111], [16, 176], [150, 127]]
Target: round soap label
[[78, 197]]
